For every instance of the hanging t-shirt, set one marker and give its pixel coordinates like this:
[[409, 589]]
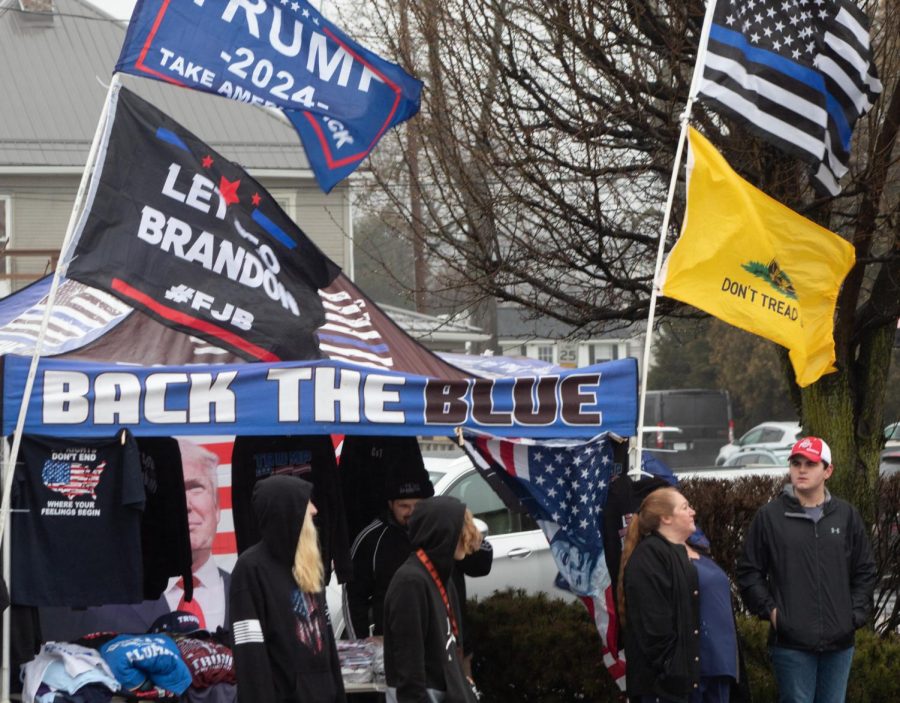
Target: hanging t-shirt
[[309, 457], [165, 537], [76, 522], [366, 462], [622, 502]]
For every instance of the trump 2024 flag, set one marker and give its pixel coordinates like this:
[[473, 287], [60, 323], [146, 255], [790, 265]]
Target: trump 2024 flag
[[564, 486], [176, 230], [340, 97], [756, 264]]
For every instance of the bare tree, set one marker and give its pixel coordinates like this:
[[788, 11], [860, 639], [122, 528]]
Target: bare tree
[[547, 137]]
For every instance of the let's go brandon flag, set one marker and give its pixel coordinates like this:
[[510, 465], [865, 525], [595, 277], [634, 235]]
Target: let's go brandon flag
[[176, 230], [756, 264], [340, 97]]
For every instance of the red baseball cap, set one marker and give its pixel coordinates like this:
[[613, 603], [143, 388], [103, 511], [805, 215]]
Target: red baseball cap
[[813, 448]]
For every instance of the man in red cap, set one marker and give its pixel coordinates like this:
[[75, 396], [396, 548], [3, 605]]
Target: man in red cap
[[807, 568]]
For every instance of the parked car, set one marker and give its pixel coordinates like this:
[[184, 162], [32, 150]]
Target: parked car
[[703, 417], [757, 457], [768, 435], [522, 556], [892, 435], [890, 461]]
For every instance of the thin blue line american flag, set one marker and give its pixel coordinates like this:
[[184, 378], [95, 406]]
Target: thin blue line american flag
[[799, 73], [565, 489]]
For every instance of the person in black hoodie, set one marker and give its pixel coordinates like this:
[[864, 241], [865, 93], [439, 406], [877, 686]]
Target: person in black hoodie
[[284, 648], [422, 635]]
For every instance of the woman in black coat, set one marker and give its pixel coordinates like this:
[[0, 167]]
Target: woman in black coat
[[284, 649], [675, 603], [422, 631]]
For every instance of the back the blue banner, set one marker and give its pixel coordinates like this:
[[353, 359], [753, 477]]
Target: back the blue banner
[[83, 399], [339, 96]]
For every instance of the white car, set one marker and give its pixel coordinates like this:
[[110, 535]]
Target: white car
[[758, 457], [522, 557], [775, 436]]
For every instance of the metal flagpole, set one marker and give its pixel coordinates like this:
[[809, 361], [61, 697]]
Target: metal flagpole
[[9, 464], [637, 448]]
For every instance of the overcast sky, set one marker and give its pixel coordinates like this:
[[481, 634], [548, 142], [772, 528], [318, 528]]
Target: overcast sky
[[121, 9], [117, 9]]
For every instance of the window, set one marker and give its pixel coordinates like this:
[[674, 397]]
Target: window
[[486, 505], [5, 226], [545, 352], [752, 437], [287, 200], [774, 434], [602, 352]]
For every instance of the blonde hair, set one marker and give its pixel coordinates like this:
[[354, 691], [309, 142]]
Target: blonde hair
[[308, 570], [660, 503], [470, 537]]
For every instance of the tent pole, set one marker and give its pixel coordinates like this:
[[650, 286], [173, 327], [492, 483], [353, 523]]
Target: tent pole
[[637, 446], [9, 463], [7, 614]]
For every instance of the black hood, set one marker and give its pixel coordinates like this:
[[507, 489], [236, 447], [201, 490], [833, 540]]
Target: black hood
[[435, 526], [280, 506]]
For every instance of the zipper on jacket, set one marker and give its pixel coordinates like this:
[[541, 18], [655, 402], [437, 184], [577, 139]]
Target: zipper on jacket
[[818, 590]]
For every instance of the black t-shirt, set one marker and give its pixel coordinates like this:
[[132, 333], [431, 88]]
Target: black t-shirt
[[165, 537], [310, 457], [366, 463], [76, 523]]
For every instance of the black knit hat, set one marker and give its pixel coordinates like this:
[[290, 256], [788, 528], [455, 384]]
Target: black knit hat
[[403, 484]]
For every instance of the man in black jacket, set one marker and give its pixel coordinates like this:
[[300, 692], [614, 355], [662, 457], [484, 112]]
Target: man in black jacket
[[807, 567], [379, 550]]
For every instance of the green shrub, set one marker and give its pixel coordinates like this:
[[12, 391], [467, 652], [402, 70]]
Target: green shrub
[[753, 634], [875, 676], [548, 651], [534, 649]]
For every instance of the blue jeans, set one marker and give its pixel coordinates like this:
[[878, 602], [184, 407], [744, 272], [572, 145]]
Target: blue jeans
[[811, 677]]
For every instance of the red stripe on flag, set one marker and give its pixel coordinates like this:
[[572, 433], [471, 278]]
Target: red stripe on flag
[[508, 457], [180, 318], [223, 450], [224, 543], [225, 498]]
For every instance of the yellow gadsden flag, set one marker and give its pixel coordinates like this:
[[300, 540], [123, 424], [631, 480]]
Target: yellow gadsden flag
[[756, 264]]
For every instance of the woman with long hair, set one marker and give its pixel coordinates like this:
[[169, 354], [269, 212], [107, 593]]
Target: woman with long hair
[[675, 603], [422, 629], [284, 648]]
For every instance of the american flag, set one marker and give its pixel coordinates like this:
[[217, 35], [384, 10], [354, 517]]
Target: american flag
[[564, 487], [349, 333], [72, 479], [799, 72], [79, 315]]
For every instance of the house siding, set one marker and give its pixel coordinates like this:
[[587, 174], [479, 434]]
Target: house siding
[[40, 207]]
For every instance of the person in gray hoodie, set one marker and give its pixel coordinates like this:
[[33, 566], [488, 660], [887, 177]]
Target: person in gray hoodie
[[284, 649], [422, 636]]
